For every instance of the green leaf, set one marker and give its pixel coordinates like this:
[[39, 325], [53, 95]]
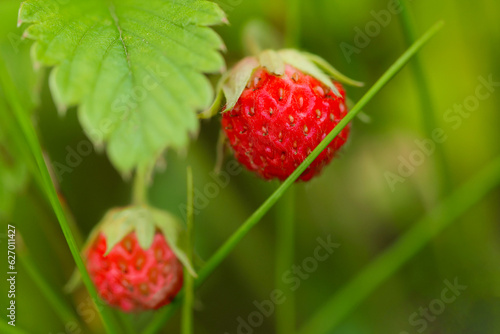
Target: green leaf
[[16, 53], [135, 68]]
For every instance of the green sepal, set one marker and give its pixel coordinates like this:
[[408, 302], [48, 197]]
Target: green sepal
[[215, 107], [238, 79], [117, 224], [301, 62], [332, 71], [145, 234], [176, 236], [233, 83], [271, 60], [145, 221]]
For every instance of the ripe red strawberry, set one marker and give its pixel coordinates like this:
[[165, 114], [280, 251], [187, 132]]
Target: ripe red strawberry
[[131, 278], [278, 120], [135, 256]]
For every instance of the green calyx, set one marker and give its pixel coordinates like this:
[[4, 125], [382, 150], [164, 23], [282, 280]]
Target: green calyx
[[145, 221], [233, 83]]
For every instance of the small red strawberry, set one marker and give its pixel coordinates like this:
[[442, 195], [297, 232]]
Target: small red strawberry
[[131, 278], [134, 259], [280, 106]]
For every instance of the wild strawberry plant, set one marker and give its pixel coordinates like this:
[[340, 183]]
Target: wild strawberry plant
[[135, 71]]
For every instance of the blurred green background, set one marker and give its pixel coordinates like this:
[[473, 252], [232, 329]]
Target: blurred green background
[[351, 201]]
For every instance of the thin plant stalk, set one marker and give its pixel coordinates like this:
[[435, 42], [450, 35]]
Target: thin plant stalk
[[36, 149], [285, 237], [429, 121], [140, 188], [420, 234], [162, 316], [187, 310]]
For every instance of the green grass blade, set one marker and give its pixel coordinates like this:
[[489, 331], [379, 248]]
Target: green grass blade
[[61, 307], [19, 144], [13, 131], [231, 243], [429, 121], [187, 311], [35, 147], [359, 288], [285, 237]]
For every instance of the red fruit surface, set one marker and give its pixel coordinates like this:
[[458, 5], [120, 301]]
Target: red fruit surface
[[278, 121], [133, 279]]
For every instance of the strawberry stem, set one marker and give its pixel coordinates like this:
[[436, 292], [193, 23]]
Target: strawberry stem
[[140, 186]]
